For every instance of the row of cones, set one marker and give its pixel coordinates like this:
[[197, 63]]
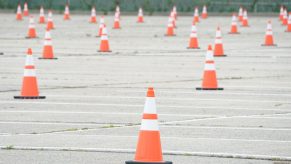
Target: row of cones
[[41, 13]]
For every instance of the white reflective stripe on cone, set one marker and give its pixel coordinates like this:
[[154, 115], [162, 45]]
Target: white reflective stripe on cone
[[269, 32], [104, 37], [150, 106], [47, 42], [29, 60], [233, 23], [147, 124], [269, 27], [29, 73], [193, 35], [218, 41], [31, 26], [218, 33], [209, 66], [47, 35]]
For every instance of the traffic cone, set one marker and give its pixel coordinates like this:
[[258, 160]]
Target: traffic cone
[[245, 22], [281, 13], [140, 16], [25, 10], [29, 85], [240, 14], [269, 41], [104, 45], [41, 16], [209, 77], [18, 13], [196, 16], [67, 12], [193, 43], [170, 29], [233, 29], [149, 149], [101, 26], [117, 9], [116, 21], [93, 15], [204, 12], [285, 18], [172, 14], [289, 23], [47, 52], [175, 12], [218, 47], [31, 29], [50, 23]]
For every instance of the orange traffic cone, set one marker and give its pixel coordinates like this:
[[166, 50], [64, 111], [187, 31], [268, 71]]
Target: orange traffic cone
[[117, 9], [67, 12], [18, 13], [285, 18], [149, 149], [193, 43], [233, 29], [204, 12], [140, 16], [50, 23], [289, 23], [172, 14], [93, 15], [170, 29], [218, 47], [104, 45], [281, 13], [175, 12], [116, 21], [25, 10], [269, 41], [196, 15], [48, 52], [101, 26], [41, 16], [209, 77], [240, 14], [29, 85], [245, 22], [31, 29]]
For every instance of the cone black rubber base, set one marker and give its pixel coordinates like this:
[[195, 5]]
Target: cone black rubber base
[[136, 162], [1, 53], [27, 37], [220, 55], [271, 45], [199, 88], [29, 97], [233, 32], [287, 31], [193, 48], [104, 51], [170, 35], [48, 58]]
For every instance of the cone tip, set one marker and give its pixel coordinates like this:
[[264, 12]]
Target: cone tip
[[209, 47], [150, 92], [29, 51]]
